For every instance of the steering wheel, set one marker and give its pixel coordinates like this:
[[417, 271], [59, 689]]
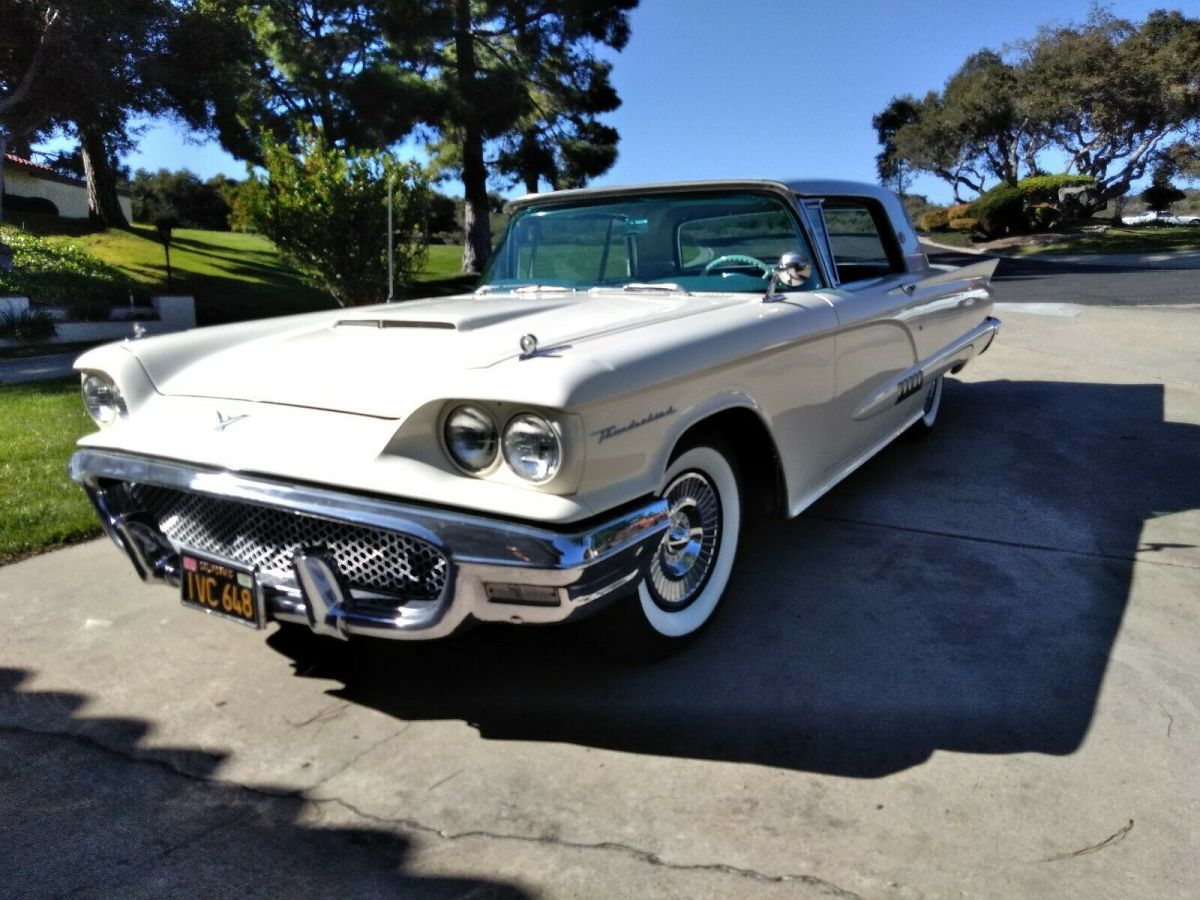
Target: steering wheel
[[740, 259]]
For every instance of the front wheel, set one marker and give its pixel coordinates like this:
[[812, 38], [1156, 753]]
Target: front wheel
[[692, 564]]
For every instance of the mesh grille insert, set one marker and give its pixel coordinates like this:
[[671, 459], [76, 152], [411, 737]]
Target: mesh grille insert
[[369, 558]]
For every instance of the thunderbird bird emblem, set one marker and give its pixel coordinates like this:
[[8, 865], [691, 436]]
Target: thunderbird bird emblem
[[224, 422]]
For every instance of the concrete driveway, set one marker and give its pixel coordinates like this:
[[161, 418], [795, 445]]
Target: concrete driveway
[[970, 671]]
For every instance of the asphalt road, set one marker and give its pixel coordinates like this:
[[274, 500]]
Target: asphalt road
[[1087, 284], [969, 671]]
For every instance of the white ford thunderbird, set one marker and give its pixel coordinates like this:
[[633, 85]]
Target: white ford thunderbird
[[639, 370]]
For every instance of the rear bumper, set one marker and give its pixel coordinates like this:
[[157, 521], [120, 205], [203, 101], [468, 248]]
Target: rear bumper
[[487, 569]]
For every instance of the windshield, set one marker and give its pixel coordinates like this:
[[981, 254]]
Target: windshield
[[724, 242]]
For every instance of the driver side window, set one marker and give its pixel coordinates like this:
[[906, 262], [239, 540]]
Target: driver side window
[[746, 244]]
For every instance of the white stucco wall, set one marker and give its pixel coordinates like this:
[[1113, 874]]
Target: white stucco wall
[[71, 199]]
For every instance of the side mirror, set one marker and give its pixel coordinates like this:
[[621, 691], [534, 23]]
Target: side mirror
[[792, 270]]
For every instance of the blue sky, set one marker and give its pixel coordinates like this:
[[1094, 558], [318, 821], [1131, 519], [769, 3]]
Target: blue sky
[[763, 88]]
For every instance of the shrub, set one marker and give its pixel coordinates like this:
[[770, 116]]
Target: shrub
[[1042, 216], [934, 220], [326, 210], [1044, 188], [26, 325], [964, 223], [1001, 211], [49, 273]]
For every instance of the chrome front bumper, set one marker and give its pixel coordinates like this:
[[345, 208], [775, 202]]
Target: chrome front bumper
[[495, 570]]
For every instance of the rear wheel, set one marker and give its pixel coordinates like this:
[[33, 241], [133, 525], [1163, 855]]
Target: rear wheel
[[692, 564], [933, 403]]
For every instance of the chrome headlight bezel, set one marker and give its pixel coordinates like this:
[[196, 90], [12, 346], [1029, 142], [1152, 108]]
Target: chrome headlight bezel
[[102, 398], [528, 438], [488, 454]]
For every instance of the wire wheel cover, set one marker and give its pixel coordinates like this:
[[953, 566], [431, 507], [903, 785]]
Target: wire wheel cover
[[684, 560]]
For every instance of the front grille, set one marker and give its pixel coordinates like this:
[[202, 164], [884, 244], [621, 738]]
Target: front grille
[[370, 559]]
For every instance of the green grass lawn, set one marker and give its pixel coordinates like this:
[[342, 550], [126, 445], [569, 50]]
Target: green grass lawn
[[442, 274], [233, 276], [1122, 240], [1165, 239], [40, 506]]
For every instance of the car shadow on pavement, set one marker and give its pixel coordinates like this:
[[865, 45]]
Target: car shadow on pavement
[[100, 814], [960, 594]]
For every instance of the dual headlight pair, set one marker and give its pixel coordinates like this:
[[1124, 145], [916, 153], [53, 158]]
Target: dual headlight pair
[[529, 443]]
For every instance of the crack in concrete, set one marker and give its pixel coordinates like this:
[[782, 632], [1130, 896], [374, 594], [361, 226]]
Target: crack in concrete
[[640, 855], [301, 796], [1170, 718], [325, 714], [349, 764], [1001, 542], [1118, 835]]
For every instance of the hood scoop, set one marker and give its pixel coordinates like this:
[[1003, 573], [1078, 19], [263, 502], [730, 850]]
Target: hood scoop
[[393, 323]]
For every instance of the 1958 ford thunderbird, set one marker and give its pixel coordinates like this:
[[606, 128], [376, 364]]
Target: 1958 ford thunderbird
[[639, 370]]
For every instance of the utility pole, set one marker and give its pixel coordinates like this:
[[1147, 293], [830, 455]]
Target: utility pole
[[391, 265]]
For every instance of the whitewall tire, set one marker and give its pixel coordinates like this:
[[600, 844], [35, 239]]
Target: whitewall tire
[[691, 566]]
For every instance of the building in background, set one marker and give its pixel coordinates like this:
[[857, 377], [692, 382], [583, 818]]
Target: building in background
[[25, 181]]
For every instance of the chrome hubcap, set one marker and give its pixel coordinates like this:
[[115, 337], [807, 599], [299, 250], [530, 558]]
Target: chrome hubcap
[[681, 567]]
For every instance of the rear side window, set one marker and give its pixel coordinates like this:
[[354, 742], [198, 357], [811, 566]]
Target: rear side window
[[861, 239]]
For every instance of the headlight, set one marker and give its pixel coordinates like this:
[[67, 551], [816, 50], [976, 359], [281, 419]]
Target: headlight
[[101, 398], [471, 438], [532, 448]]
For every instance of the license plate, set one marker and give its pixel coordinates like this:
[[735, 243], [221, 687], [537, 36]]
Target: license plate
[[221, 588]]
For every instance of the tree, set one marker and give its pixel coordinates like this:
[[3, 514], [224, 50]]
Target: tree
[[978, 128], [1108, 93], [28, 31], [559, 141], [325, 208], [521, 70], [891, 166], [1112, 90], [286, 66], [165, 224], [1161, 193], [192, 203]]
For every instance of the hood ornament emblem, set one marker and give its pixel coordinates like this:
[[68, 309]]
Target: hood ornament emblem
[[529, 346], [224, 422]]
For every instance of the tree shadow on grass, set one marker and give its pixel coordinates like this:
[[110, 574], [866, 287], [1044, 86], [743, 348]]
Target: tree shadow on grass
[[959, 594], [88, 808]]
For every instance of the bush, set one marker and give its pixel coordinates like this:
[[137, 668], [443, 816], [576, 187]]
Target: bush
[[326, 210], [26, 325], [1001, 211], [1044, 188], [49, 273], [934, 220], [964, 223], [16, 203]]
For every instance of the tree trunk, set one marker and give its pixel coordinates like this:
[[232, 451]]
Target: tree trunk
[[3, 148], [103, 203], [477, 232]]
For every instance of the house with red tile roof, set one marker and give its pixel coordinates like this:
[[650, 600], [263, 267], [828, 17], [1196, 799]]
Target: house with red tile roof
[[25, 178]]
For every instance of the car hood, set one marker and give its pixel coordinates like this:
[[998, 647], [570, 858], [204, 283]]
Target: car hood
[[378, 360]]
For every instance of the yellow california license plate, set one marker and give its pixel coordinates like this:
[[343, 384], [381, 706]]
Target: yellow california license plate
[[221, 588]]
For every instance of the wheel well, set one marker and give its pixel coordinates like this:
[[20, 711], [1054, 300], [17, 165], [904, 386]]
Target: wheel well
[[754, 452]]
